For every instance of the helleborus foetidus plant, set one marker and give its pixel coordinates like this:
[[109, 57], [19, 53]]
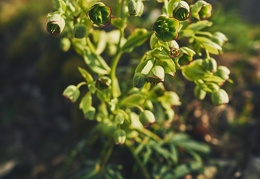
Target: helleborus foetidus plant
[[136, 113]]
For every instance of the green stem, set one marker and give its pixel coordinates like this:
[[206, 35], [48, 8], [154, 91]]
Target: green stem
[[81, 84], [114, 81], [150, 134]]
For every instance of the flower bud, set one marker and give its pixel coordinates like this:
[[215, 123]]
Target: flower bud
[[135, 8], [165, 28], [181, 10], [201, 10], [219, 38], [55, 24], [147, 118], [219, 97], [103, 83], [223, 72], [119, 137], [100, 14], [120, 117], [186, 56], [139, 80], [80, 31], [199, 93], [65, 44], [156, 75], [72, 93], [174, 49], [210, 64]]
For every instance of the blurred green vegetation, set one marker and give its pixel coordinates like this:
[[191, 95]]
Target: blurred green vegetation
[[39, 129]]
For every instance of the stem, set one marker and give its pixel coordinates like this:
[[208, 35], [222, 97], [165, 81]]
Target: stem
[[150, 134], [114, 81], [81, 84]]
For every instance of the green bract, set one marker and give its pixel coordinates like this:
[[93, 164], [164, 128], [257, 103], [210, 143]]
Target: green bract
[[166, 28], [100, 14], [55, 24], [181, 10]]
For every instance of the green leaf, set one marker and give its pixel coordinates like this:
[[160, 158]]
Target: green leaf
[[194, 71], [147, 68], [86, 75], [62, 5], [96, 63], [137, 38], [184, 169], [86, 103], [209, 45], [195, 146], [133, 100], [199, 25], [169, 66]]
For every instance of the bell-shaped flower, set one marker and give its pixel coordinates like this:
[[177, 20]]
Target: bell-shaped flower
[[166, 28]]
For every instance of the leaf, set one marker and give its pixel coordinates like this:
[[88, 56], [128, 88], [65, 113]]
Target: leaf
[[195, 146], [133, 100], [209, 45], [194, 71], [184, 169], [137, 38], [147, 68], [174, 153], [96, 63], [62, 5], [147, 154], [86, 75], [199, 25], [86, 103]]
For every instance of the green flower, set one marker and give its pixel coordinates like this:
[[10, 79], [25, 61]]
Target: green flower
[[72, 93], [55, 24], [100, 14], [181, 10], [119, 137], [166, 28], [103, 83], [201, 10]]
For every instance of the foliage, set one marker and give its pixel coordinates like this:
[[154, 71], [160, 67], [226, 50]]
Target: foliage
[[179, 42]]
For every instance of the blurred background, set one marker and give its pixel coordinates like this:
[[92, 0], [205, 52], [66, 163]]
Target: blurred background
[[39, 128]]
